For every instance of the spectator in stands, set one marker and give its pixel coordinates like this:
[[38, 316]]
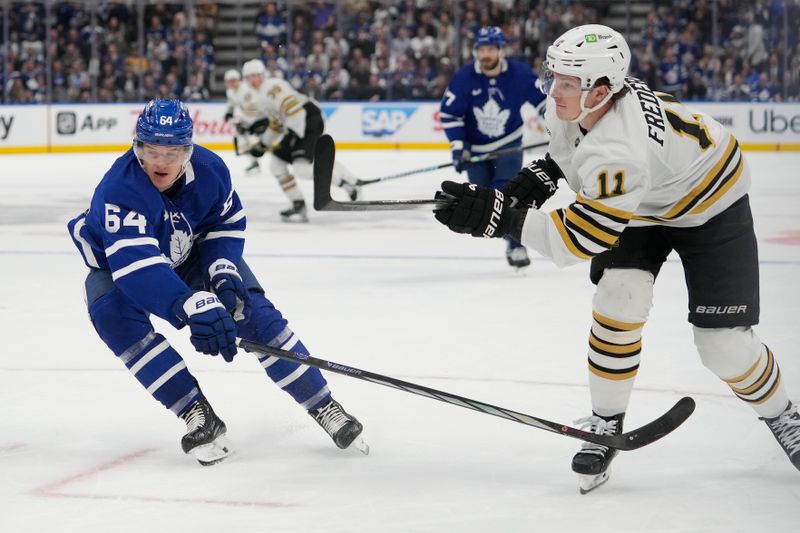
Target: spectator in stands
[[763, 90], [739, 90], [271, 26]]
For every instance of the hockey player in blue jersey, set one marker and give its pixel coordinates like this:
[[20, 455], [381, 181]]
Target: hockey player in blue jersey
[[480, 113], [164, 236]]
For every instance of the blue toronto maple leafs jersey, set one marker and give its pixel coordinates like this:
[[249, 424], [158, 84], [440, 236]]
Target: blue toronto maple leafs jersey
[[141, 234], [484, 113]]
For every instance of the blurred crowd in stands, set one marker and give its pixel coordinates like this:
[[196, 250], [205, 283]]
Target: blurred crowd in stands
[[96, 55], [393, 50]]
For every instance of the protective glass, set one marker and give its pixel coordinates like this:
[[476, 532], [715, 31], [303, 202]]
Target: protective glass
[[163, 154], [566, 85]]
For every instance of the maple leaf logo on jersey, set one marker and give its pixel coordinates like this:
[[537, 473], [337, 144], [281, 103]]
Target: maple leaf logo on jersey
[[180, 245], [491, 119]]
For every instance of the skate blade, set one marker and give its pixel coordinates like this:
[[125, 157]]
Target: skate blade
[[361, 445], [588, 483], [213, 452]]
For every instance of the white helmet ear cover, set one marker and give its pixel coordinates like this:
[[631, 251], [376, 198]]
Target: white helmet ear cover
[[591, 52]]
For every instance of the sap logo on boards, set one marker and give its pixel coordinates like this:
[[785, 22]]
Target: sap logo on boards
[[5, 126], [379, 121], [771, 122], [67, 123]]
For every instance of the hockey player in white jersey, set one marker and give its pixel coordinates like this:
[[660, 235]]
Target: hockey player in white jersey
[[164, 236], [287, 123], [651, 176], [233, 109]]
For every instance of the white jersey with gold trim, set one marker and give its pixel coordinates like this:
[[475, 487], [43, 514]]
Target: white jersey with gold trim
[[233, 104], [275, 99], [648, 160]]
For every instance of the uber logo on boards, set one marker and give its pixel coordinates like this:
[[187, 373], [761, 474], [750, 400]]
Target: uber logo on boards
[[66, 123]]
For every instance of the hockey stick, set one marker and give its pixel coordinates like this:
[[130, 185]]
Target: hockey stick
[[324, 155], [471, 160], [631, 440]]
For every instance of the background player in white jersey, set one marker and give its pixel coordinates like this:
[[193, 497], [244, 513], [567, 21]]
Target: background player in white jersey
[[288, 123], [164, 236], [241, 142], [481, 112], [651, 177]]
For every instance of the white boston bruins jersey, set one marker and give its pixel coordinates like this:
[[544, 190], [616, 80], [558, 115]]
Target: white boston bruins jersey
[[277, 100], [648, 160], [232, 99]]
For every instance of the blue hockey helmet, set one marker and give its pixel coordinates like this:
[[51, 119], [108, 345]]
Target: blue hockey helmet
[[490, 36], [164, 122]]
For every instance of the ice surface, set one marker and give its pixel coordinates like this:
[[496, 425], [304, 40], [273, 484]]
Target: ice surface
[[84, 448]]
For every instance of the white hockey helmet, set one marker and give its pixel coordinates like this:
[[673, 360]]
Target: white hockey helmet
[[252, 67], [591, 52], [232, 74]]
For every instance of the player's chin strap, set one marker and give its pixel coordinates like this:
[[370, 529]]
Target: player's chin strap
[[586, 110]]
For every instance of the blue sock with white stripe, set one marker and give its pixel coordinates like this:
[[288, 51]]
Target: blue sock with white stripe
[[303, 383], [147, 354]]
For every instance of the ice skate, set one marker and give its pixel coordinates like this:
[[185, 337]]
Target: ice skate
[[342, 427], [205, 434], [517, 257], [253, 168], [593, 461], [786, 428], [296, 213]]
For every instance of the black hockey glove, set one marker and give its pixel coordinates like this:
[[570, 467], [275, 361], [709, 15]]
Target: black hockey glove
[[479, 211], [258, 127], [258, 150], [228, 116], [535, 183]]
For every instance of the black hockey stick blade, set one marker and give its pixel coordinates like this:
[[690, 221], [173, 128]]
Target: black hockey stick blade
[[324, 157], [631, 440]]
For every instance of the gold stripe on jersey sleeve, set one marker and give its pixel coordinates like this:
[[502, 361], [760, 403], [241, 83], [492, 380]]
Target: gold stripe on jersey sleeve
[[293, 113], [610, 323], [713, 175], [593, 228], [730, 181], [603, 208], [290, 105], [569, 240], [666, 97]]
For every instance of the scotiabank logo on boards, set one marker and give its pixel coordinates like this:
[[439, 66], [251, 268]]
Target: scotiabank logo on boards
[[772, 121]]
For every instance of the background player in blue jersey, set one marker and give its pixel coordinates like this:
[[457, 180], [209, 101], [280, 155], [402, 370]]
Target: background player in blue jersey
[[480, 113], [164, 235]]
